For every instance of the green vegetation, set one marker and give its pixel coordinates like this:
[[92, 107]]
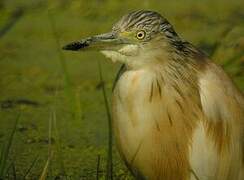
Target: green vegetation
[[53, 119]]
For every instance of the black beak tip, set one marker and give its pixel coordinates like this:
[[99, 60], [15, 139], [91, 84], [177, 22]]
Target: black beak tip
[[66, 47], [75, 46]]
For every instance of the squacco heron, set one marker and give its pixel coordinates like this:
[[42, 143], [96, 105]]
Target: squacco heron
[[176, 114]]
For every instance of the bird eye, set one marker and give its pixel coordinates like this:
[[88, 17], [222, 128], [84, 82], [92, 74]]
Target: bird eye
[[140, 35]]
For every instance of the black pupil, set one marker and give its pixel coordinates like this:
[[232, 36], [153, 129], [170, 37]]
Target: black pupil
[[140, 35]]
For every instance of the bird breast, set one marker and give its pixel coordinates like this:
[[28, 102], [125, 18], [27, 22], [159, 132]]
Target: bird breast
[[153, 128]]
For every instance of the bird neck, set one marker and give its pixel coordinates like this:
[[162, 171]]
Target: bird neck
[[178, 55]]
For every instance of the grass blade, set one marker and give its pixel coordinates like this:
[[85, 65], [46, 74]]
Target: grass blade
[[98, 166], [59, 146], [13, 19], [50, 152], [109, 170], [45, 169], [6, 149], [31, 167], [14, 171], [75, 109]]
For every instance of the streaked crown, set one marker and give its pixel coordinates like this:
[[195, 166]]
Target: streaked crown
[[150, 21]]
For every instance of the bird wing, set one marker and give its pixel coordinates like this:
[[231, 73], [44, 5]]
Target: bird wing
[[223, 108], [221, 99]]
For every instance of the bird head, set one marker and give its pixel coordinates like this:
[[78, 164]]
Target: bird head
[[134, 40]]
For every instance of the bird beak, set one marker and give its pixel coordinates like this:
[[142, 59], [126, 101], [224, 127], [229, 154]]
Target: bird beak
[[107, 41]]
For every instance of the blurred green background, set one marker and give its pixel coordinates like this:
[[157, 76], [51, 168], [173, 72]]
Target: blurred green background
[[55, 98]]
